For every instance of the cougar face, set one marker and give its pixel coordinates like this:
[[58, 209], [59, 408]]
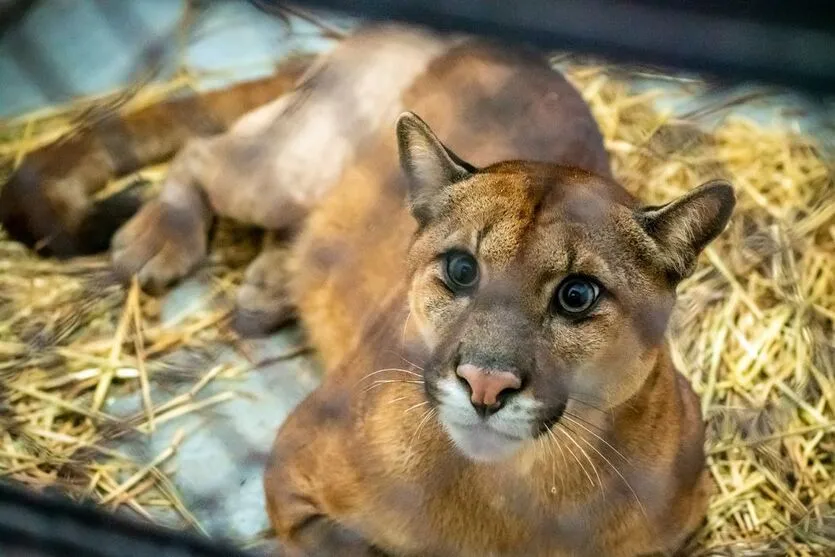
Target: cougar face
[[539, 290]]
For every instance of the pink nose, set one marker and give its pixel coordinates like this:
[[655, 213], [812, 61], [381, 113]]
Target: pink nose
[[488, 384]]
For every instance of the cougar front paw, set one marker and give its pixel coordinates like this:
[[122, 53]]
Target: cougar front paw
[[263, 303], [160, 245]]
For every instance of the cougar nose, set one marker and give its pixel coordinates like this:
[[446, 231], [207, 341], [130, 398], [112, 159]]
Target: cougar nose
[[488, 386]]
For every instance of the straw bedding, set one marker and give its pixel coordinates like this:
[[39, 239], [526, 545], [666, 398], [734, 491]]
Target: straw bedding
[[753, 329]]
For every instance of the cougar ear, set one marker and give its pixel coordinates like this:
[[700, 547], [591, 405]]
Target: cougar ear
[[683, 228], [427, 163]]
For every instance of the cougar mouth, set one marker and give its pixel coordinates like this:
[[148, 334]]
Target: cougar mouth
[[482, 442], [485, 438]]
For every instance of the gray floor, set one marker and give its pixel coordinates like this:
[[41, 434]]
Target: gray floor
[[70, 48], [219, 466]]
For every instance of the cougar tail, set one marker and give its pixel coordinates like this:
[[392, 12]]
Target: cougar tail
[[44, 221], [48, 202]]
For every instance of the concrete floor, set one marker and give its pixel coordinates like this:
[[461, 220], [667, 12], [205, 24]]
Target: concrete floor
[[65, 48], [219, 466]]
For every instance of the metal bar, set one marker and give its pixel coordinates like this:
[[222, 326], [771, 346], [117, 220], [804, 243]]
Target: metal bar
[[762, 42], [46, 526]]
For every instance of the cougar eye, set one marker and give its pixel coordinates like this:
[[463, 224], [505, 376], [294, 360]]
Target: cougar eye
[[461, 270], [576, 296]]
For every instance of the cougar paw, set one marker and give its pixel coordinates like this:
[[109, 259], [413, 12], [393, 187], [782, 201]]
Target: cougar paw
[[263, 304], [160, 245]]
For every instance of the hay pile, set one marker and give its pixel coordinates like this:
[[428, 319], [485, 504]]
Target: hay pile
[[754, 331]]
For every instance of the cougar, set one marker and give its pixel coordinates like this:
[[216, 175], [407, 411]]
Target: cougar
[[489, 305]]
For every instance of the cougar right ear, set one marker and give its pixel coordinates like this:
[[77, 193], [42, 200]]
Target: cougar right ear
[[429, 165]]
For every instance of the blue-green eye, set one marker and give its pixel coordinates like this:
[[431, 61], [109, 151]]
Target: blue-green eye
[[461, 271], [576, 296]]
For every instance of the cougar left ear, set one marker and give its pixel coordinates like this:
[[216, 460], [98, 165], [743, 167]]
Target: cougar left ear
[[683, 228], [428, 164]]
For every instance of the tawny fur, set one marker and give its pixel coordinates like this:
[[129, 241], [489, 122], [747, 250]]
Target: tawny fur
[[363, 466], [614, 466]]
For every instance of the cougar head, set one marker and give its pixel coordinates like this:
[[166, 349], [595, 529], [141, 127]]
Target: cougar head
[[539, 288]]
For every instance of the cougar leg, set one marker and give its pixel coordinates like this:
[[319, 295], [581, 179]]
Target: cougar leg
[[168, 237], [302, 524], [227, 175], [319, 536], [263, 303]]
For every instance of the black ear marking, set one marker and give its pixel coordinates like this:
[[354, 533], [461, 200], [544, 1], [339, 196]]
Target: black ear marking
[[428, 164], [682, 228]]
